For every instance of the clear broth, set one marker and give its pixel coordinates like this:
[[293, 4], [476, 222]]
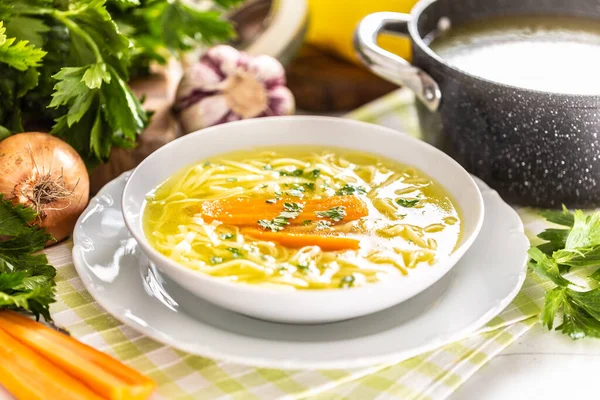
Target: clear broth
[[545, 53]]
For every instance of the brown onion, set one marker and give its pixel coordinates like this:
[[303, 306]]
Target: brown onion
[[41, 171]]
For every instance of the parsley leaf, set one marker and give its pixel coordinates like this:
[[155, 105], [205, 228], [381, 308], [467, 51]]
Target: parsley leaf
[[349, 189], [303, 267], [563, 217], [577, 246], [226, 236], [292, 206], [336, 213], [273, 225], [290, 211], [235, 252], [546, 267], [314, 174], [556, 240], [407, 203], [347, 281], [20, 55], [295, 172], [26, 278], [216, 260], [323, 225], [596, 275], [297, 191], [580, 312]]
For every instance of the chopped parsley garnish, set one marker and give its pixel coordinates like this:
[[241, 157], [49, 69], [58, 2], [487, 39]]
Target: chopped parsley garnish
[[347, 281], [322, 225], [296, 172], [290, 211], [271, 201], [216, 260], [282, 268], [292, 206], [226, 236], [235, 252], [303, 267], [314, 174], [268, 167], [274, 225], [335, 213], [278, 193], [231, 179], [349, 189], [297, 191], [407, 203], [206, 164], [307, 222], [308, 186]]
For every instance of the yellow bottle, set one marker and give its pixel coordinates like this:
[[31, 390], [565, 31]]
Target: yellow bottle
[[332, 23]]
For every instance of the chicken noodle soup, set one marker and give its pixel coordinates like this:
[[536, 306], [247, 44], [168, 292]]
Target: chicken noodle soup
[[302, 217]]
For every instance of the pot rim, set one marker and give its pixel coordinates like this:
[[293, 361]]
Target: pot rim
[[423, 5]]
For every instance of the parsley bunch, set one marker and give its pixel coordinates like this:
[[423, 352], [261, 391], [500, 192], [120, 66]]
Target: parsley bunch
[[65, 64], [26, 278], [574, 246]]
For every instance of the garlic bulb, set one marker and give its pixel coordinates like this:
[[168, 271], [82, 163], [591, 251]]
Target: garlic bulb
[[229, 85]]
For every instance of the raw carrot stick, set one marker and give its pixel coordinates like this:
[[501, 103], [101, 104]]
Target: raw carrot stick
[[296, 240], [28, 375], [247, 211], [100, 372]]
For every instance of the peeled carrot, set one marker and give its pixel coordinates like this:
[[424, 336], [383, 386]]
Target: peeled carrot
[[103, 374], [296, 240], [28, 375], [247, 211]]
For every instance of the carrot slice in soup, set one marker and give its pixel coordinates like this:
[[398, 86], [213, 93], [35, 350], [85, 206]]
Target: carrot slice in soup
[[296, 240], [247, 211]]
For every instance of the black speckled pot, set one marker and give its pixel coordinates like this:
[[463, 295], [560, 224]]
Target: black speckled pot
[[535, 148]]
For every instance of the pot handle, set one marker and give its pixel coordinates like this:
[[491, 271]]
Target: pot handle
[[388, 65]]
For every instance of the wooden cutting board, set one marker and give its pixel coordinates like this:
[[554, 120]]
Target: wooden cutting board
[[159, 91], [322, 83]]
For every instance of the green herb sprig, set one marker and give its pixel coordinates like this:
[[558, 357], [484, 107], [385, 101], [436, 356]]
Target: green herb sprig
[[65, 65], [290, 211], [336, 213], [575, 246], [26, 277], [349, 189], [407, 203]]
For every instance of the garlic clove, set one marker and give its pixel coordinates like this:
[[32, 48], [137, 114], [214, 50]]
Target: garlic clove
[[198, 77], [267, 70], [225, 60], [208, 111], [281, 101]]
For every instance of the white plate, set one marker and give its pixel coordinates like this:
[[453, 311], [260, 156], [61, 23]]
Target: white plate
[[118, 276]]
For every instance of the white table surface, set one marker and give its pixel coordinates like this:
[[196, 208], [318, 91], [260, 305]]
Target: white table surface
[[540, 365]]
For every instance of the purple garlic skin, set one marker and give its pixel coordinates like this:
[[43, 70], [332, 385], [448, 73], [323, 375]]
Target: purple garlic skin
[[228, 85]]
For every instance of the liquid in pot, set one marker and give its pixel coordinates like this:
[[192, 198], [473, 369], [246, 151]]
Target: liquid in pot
[[551, 54]]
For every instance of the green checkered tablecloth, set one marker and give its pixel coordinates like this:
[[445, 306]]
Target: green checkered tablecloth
[[434, 375]]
